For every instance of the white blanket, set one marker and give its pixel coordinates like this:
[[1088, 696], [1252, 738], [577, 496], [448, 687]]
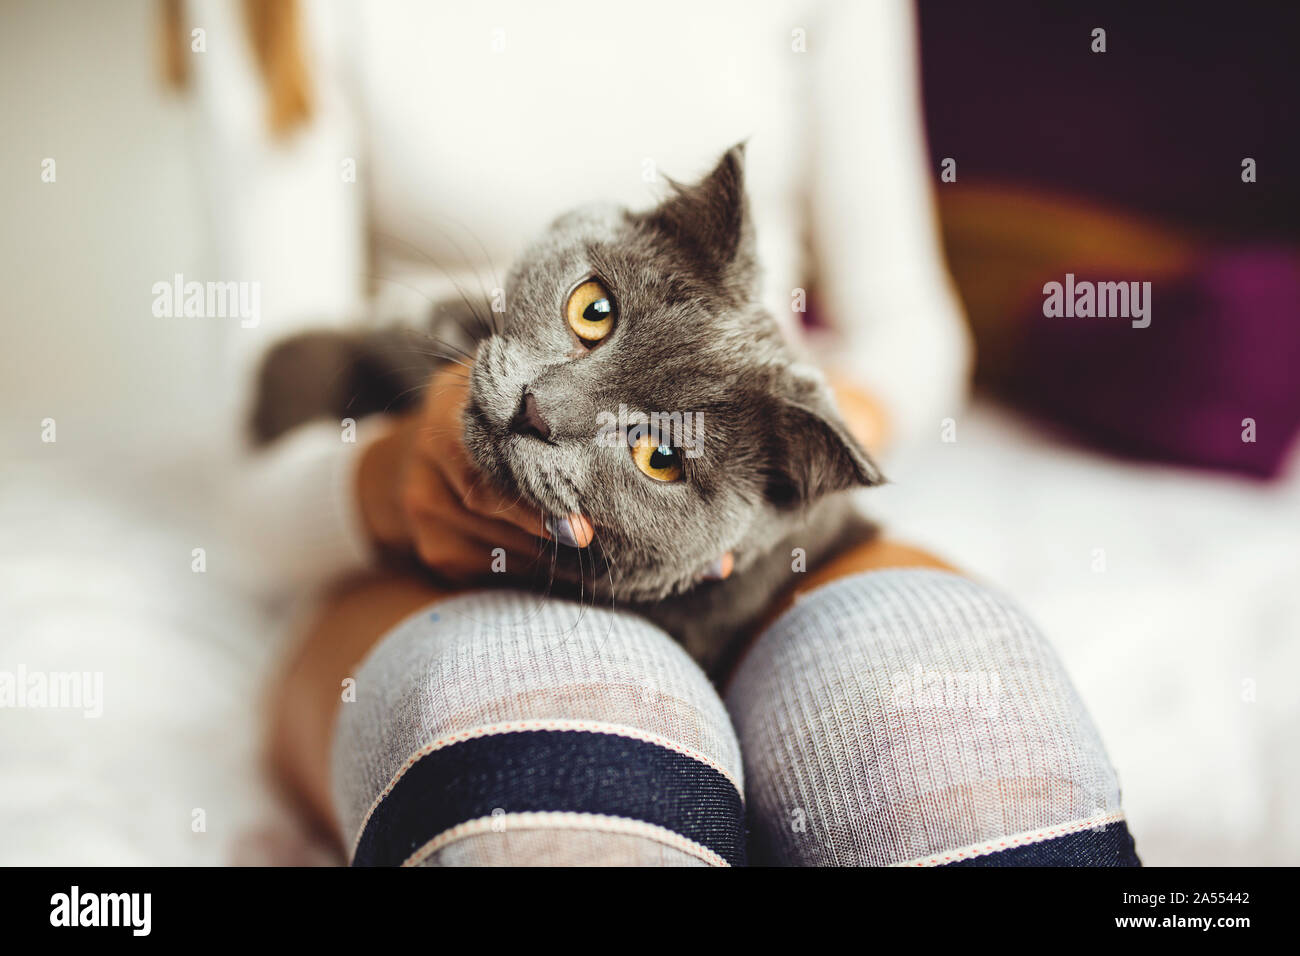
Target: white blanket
[[1171, 596], [1183, 646]]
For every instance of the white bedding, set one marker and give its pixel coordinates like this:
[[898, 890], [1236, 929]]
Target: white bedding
[[97, 576], [1198, 595]]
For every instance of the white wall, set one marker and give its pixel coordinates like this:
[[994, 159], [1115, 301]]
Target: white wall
[[80, 83]]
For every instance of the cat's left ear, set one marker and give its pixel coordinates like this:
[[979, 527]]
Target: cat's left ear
[[816, 456], [710, 219]]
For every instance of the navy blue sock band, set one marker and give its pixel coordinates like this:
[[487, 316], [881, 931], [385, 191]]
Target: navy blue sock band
[[1108, 846], [566, 771]]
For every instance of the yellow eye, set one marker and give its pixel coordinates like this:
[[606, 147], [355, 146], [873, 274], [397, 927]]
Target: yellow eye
[[660, 462], [590, 312]]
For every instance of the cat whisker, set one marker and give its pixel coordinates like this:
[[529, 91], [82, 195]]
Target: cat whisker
[[487, 259], [403, 393], [486, 326], [613, 601], [423, 337], [453, 354], [436, 303]]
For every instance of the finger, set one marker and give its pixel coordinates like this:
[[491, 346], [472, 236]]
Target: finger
[[487, 502], [468, 551], [481, 498], [434, 507]]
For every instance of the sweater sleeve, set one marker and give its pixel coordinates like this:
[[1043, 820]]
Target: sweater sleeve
[[286, 213], [294, 514], [899, 329]]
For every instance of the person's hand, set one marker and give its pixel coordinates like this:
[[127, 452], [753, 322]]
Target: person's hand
[[419, 492]]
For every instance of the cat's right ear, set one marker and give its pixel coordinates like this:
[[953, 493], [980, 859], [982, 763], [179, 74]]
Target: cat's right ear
[[814, 456], [710, 220]]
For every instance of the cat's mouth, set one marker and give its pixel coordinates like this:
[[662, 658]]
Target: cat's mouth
[[533, 469], [522, 467]]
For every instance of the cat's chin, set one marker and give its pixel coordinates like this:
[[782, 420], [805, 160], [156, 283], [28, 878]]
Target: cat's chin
[[517, 476]]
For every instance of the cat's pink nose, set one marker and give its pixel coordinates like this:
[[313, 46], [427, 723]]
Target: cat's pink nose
[[529, 421]]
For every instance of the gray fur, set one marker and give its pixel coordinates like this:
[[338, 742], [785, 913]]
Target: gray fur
[[690, 336]]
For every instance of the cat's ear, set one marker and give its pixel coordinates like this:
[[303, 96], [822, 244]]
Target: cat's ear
[[710, 219], [816, 455]]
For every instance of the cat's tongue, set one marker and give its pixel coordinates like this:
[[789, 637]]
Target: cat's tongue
[[573, 530], [721, 567]]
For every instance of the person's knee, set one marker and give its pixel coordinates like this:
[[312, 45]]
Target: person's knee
[[501, 727], [893, 715]]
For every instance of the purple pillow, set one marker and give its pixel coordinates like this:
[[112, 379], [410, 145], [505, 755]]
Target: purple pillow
[[1223, 345]]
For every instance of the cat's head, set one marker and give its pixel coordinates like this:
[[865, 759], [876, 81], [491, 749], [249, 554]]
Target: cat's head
[[638, 381]]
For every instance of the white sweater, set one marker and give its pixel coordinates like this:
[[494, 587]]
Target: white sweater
[[471, 125]]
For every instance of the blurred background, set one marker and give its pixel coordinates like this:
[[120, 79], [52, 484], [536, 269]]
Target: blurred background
[[1099, 475]]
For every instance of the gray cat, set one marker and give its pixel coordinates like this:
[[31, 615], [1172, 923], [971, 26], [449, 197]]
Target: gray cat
[[657, 313]]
